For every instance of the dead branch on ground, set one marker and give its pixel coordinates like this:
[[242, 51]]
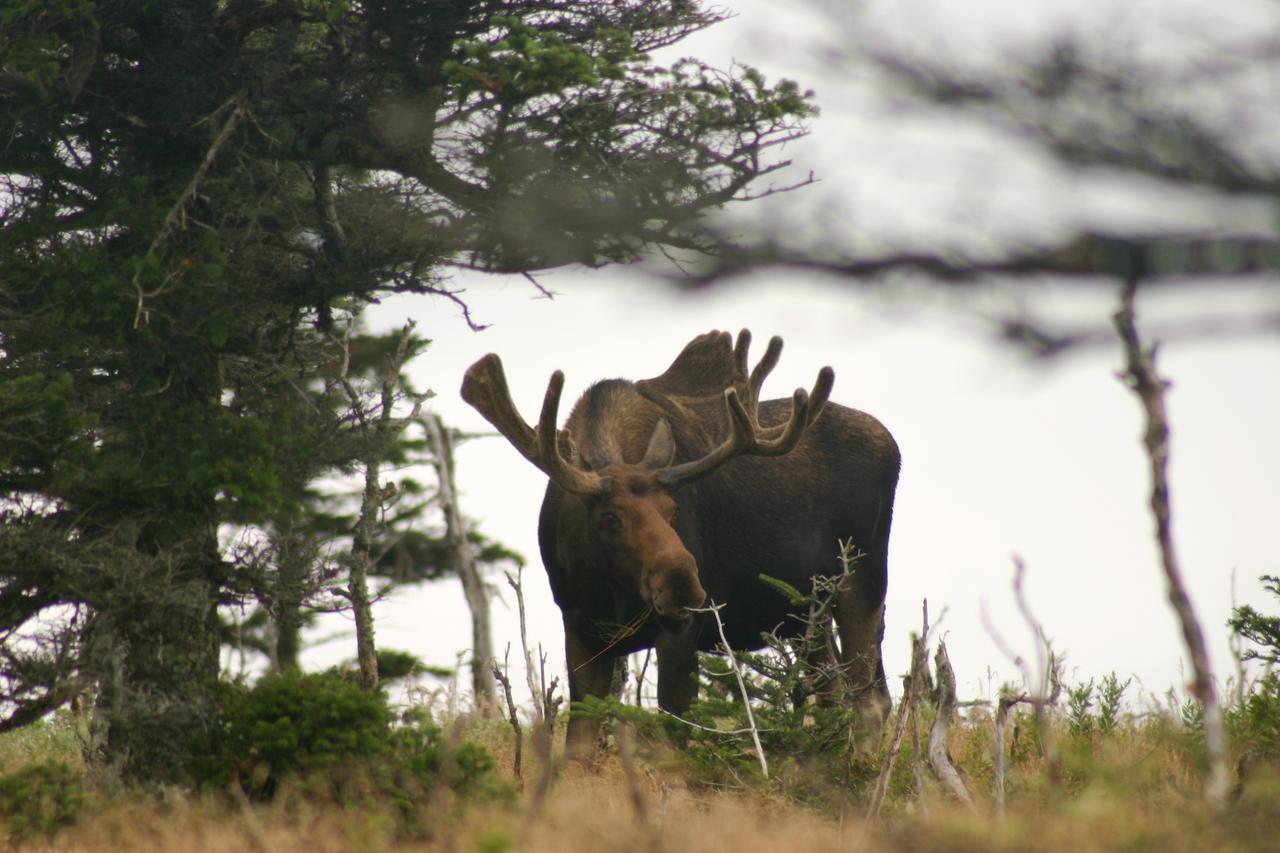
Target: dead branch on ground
[[914, 689], [939, 760]]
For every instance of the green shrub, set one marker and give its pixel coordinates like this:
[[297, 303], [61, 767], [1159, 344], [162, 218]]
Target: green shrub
[[301, 723], [1255, 721], [323, 736], [1079, 701], [421, 747], [40, 800], [1110, 701], [1260, 629], [811, 755], [58, 737]]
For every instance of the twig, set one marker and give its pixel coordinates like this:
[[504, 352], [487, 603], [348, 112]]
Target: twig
[[513, 716], [1141, 377], [545, 704], [644, 667], [175, 214], [714, 610], [516, 583], [543, 730], [915, 682], [691, 724], [1007, 701], [544, 292], [1048, 687]]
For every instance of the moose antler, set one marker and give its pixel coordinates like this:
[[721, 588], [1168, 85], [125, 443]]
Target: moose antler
[[762, 369], [702, 371], [485, 387], [746, 436]]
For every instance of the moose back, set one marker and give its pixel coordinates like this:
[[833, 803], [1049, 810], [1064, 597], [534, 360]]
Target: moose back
[[670, 492]]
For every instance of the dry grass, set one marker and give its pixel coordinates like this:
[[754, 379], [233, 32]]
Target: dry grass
[[1131, 792], [1137, 788]]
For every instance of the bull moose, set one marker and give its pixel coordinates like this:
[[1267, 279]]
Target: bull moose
[[670, 491]]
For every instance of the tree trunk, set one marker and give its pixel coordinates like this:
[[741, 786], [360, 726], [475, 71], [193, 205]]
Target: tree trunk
[[294, 562], [358, 579], [482, 683], [152, 648], [152, 641]]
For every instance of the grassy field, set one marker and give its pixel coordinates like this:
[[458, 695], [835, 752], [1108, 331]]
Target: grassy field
[[1132, 783]]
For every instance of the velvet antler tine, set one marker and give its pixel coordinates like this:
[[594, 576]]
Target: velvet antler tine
[[816, 402], [741, 438], [564, 474], [484, 387], [766, 365], [821, 392], [746, 436], [740, 351], [783, 439], [546, 432]]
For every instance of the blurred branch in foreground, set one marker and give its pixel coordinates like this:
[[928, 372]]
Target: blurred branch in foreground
[[1166, 116]]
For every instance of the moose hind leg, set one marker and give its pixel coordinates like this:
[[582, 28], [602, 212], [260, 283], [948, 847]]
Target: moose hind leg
[[860, 624]]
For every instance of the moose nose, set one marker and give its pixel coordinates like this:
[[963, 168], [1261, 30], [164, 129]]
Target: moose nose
[[674, 586]]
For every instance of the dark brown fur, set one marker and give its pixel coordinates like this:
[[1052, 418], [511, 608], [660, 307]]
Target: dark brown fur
[[636, 546]]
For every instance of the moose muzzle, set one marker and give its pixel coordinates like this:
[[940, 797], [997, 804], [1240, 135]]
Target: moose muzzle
[[670, 583]]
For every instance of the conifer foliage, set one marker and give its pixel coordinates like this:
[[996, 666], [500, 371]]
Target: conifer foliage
[[198, 197]]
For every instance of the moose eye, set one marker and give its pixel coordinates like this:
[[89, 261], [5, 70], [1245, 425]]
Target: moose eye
[[610, 519]]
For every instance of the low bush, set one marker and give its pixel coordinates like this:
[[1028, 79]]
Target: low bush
[[40, 799], [324, 737]]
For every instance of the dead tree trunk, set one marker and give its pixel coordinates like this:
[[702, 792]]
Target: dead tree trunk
[[380, 433], [1140, 375], [358, 577], [482, 683]]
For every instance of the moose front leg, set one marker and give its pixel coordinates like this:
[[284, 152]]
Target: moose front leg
[[677, 668], [590, 674]]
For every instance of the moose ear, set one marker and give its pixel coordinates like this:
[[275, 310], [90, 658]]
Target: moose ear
[[568, 448], [662, 447]]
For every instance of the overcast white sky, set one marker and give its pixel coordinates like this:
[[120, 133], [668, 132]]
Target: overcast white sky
[[1000, 456]]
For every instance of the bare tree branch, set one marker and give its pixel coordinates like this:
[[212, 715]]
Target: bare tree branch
[[1141, 377], [714, 610]]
